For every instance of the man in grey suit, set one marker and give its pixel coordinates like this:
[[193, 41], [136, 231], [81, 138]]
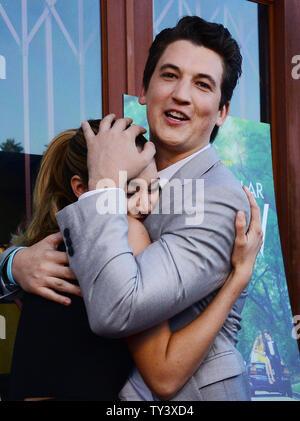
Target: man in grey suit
[[189, 79]]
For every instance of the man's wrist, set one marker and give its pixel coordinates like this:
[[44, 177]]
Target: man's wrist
[[118, 180]]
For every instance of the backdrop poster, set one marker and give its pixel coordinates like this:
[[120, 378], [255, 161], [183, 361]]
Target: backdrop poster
[[272, 360]]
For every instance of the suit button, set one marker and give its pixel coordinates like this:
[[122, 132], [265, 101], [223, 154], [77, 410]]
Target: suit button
[[71, 251], [68, 242], [67, 232]]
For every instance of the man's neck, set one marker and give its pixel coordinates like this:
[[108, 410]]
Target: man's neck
[[164, 157]]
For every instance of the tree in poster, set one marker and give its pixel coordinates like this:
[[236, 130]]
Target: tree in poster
[[245, 148]]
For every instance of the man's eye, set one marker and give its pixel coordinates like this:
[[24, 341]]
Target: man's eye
[[203, 85], [168, 75]]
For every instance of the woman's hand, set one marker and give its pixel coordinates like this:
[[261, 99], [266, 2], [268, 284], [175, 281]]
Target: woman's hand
[[42, 270], [247, 246]]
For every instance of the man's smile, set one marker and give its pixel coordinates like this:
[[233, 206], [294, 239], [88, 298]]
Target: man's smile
[[176, 115], [175, 118]]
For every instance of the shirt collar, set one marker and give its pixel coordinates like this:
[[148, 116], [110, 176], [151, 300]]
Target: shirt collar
[[167, 173]]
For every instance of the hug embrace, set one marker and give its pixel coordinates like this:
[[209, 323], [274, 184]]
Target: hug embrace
[[133, 299]]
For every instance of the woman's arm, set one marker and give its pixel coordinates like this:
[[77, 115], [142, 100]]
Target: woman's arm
[[167, 360]]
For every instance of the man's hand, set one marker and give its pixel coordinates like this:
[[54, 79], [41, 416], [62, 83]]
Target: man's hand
[[41, 269], [113, 150]]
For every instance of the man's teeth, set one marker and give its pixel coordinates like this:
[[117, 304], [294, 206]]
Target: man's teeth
[[176, 115]]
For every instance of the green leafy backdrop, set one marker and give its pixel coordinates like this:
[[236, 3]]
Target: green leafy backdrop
[[245, 146]]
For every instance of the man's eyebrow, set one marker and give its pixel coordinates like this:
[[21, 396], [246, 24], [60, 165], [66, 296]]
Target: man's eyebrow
[[199, 75], [169, 65]]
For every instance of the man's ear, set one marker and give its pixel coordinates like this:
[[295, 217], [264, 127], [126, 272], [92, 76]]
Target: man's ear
[[142, 96], [78, 186], [223, 113]]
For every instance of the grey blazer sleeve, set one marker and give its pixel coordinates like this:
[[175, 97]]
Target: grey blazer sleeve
[[8, 293], [123, 294]]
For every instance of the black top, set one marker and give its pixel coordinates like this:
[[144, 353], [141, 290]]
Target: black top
[[57, 355]]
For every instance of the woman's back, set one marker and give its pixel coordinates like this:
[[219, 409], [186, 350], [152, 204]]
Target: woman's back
[[57, 355]]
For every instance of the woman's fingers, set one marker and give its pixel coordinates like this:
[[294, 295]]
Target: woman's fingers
[[240, 225], [255, 222], [255, 232]]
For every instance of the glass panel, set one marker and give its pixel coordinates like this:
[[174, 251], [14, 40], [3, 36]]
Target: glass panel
[[240, 17], [48, 84], [50, 80]]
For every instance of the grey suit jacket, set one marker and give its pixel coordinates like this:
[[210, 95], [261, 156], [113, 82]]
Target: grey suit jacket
[[175, 277]]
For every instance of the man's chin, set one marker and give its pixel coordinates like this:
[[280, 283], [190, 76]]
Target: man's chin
[[170, 142]]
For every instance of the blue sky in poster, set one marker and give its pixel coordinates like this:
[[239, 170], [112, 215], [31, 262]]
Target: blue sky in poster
[[240, 17], [67, 99]]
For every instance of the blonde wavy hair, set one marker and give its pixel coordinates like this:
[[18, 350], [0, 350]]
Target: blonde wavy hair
[[65, 157]]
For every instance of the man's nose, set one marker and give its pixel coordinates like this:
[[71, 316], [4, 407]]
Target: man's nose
[[182, 92]]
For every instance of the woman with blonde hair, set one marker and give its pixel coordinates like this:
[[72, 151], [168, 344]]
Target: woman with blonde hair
[[56, 355]]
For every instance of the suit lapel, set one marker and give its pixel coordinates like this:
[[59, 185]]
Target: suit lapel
[[193, 169], [198, 166]]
